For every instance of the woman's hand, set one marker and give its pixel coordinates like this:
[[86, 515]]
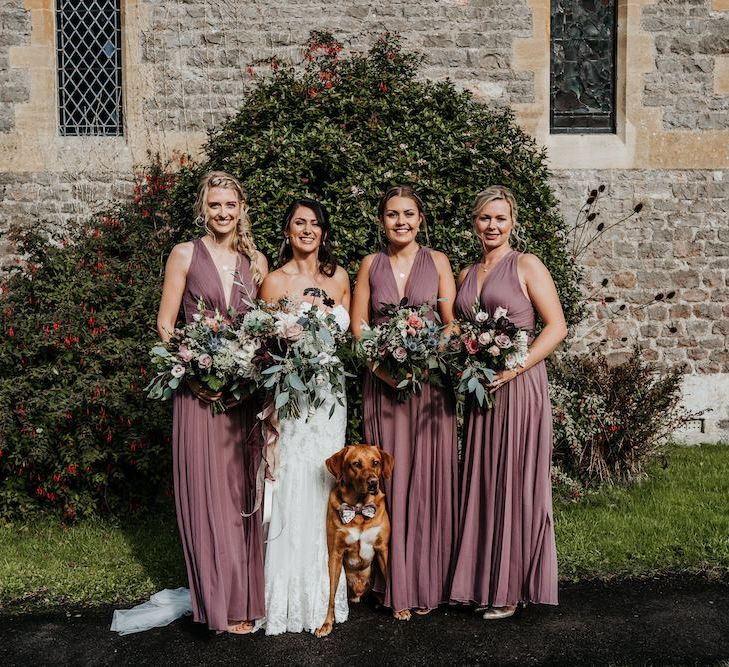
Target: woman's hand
[[386, 377], [501, 378], [204, 394]]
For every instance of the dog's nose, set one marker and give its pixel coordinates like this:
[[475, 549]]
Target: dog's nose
[[372, 485]]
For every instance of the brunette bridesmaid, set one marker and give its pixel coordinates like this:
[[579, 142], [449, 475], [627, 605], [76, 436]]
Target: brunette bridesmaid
[[419, 432], [506, 552], [214, 460]]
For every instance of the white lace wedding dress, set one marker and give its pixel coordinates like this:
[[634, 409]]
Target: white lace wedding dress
[[296, 570]]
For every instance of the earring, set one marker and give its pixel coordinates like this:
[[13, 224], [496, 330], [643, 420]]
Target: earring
[[286, 240]]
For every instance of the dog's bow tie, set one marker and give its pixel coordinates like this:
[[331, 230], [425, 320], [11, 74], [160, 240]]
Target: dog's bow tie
[[348, 512]]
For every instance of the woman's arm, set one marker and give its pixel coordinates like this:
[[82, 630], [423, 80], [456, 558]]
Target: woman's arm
[[342, 278], [262, 263], [360, 311], [446, 290], [178, 264], [543, 294], [272, 288]]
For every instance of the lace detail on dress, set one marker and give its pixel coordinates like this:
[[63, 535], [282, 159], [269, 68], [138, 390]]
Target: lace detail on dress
[[296, 571]]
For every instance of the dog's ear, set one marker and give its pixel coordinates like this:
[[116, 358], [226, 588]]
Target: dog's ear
[[335, 463], [388, 461]]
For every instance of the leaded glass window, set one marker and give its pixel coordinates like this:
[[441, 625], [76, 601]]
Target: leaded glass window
[[584, 46], [88, 45]]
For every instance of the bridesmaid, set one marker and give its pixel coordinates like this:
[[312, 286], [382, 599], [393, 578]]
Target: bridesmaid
[[420, 432], [213, 466], [506, 553]]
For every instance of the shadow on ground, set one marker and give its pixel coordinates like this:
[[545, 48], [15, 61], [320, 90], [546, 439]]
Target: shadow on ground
[[679, 620]]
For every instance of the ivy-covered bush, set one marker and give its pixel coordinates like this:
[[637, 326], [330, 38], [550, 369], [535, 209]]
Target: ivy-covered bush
[[611, 421], [77, 434]]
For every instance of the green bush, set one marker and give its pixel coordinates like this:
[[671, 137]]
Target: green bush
[[611, 422], [346, 128], [77, 434]]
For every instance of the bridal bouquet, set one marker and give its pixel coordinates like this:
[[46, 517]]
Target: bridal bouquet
[[407, 346], [208, 350], [485, 346], [297, 355]]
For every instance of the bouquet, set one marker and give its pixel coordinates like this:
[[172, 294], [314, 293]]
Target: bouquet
[[407, 346], [209, 350], [298, 355], [485, 346]]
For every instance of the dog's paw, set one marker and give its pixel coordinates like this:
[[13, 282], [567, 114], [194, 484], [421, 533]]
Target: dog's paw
[[324, 630], [403, 615]]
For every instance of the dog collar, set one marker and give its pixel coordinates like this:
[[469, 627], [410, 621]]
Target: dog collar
[[348, 512]]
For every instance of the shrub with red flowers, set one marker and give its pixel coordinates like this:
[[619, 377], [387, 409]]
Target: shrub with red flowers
[[77, 434]]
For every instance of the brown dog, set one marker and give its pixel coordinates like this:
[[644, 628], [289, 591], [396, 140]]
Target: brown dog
[[358, 526]]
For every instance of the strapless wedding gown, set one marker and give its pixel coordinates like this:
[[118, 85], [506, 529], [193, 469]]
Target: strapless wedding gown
[[296, 566]]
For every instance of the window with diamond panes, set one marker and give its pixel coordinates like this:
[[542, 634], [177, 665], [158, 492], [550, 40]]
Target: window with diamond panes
[[88, 43], [584, 50]]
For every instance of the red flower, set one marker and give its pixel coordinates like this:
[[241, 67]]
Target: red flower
[[11, 332], [472, 346], [251, 72], [383, 87], [108, 436], [91, 321], [71, 468], [39, 491], [52, 496], [614, 428], [56, 477], [328, 85]]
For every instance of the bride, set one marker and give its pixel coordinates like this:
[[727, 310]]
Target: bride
[[296, 574]]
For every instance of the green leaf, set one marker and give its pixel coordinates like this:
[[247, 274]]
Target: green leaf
[[281, 399]]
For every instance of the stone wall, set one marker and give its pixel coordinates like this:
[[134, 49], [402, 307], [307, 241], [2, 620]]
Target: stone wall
[[678, 243], [692, 47], [14, 83], [200, 50]]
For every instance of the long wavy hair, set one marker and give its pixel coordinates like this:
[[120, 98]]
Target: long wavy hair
[[243, 239], [327, 260], [492, 193]]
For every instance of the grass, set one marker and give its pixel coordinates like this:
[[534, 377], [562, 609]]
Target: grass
[[676, 521], [43, 563]]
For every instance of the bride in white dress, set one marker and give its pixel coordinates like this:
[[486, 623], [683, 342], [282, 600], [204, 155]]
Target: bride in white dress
[[296, 574]]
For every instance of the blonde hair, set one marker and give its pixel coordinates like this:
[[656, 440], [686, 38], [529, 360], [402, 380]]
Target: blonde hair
[[243, 239], [493, 193]]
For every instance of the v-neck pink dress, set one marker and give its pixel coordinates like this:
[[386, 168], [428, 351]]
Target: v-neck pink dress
[[420, 433], [506, 550], [215, 458]]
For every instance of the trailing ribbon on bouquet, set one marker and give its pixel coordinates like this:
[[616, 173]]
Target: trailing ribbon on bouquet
[[268, 468], [348, 512]]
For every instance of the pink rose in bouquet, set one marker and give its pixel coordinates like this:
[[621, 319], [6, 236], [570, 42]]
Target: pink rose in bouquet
[[400, 353]]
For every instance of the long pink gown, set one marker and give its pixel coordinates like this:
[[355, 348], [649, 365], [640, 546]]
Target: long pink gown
[[420, 433], [214, 464], [506, 551]]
